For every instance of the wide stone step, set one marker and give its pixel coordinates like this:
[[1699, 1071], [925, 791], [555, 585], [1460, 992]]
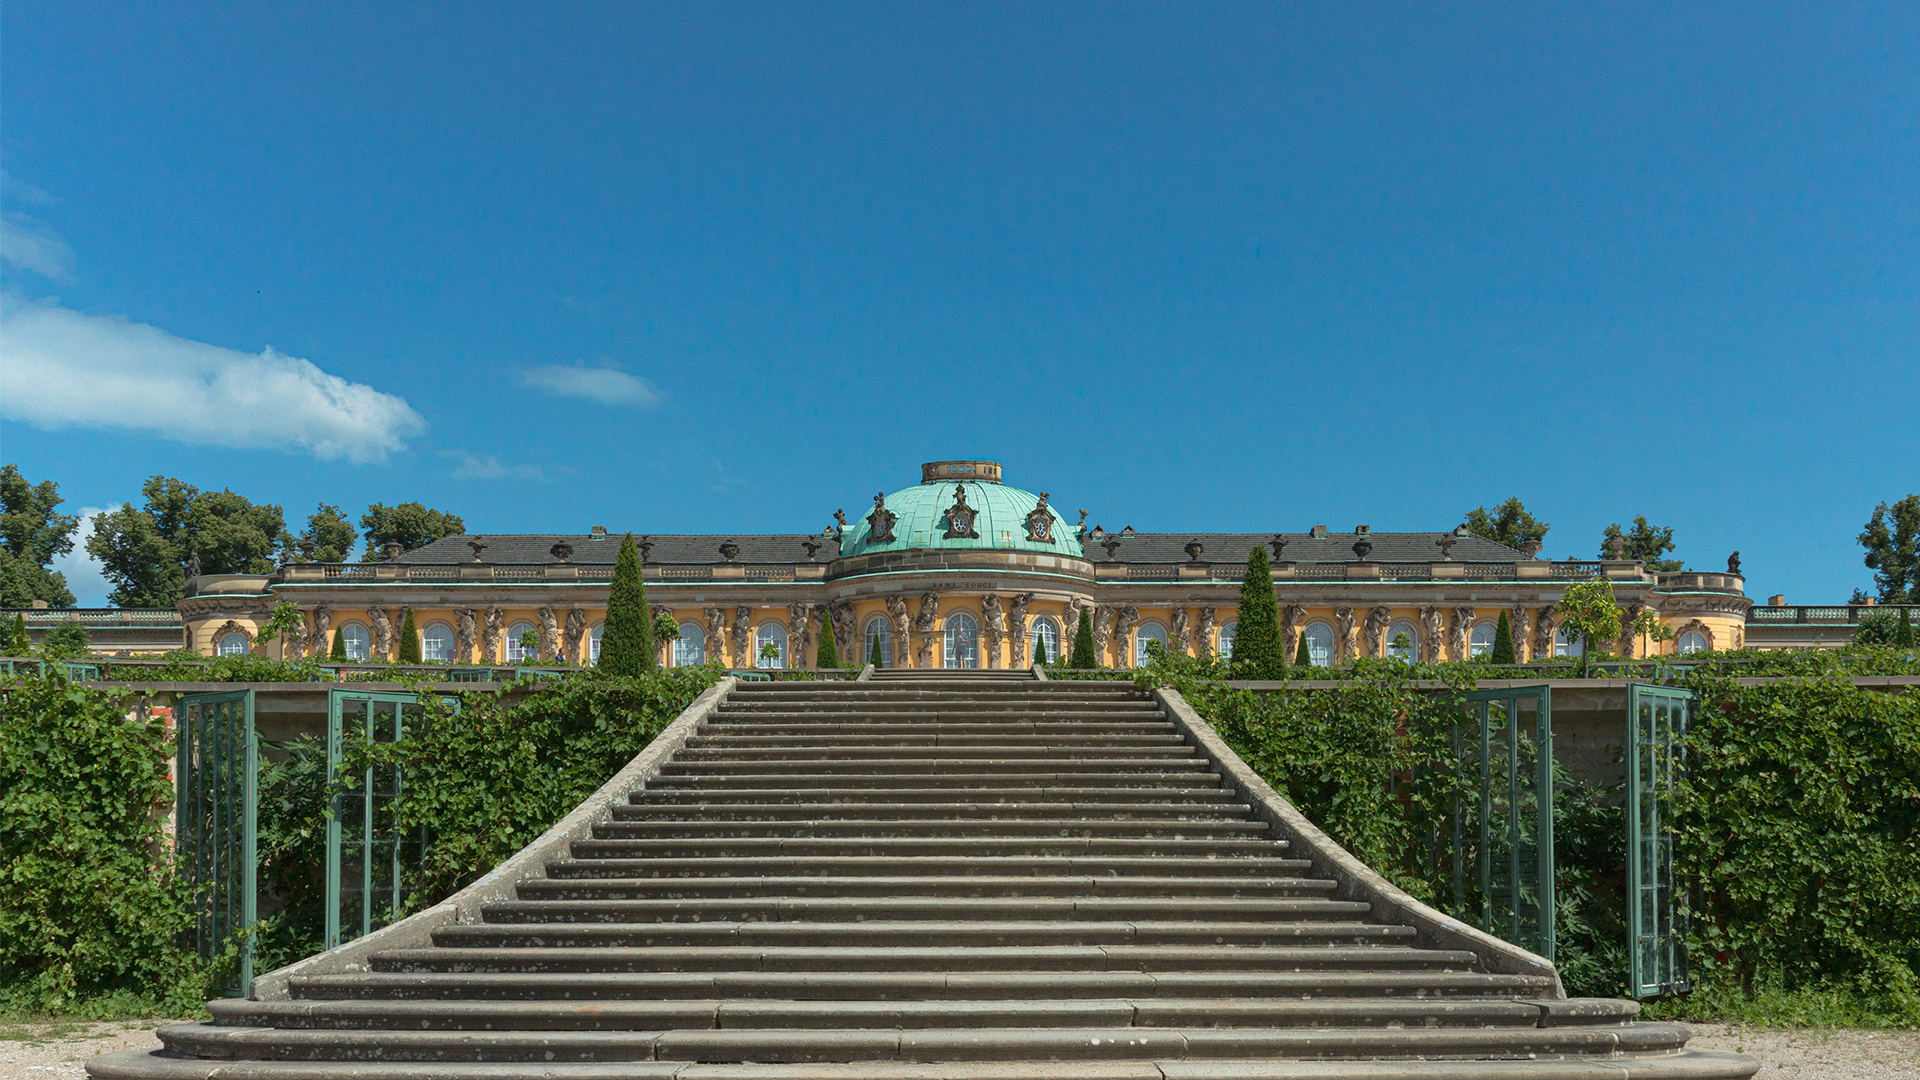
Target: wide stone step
[[985, 796], [943, 762], [920, 986], [1116, 867], [724, 740], [920, 1044], [887, 939], [877, 728], [949, 908], [575, 887], [943, 811], [1093, 1012], [1133, 712], [957, 753], [604, 847], [593, 954], [972, 778], [1062, 825]]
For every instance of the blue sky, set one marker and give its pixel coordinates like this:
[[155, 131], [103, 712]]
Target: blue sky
[[711, 268]]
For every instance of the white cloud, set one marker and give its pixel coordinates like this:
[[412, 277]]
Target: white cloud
[[34, 247], [607, 386], [84, 579], [60, 368], [491, 468]]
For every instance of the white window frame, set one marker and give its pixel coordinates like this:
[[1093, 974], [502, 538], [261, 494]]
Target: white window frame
[[877, 625], [1477, 647], [691, 649], [1680, 643], [223, 647], [1228, 631], [962, 640], [1565, 644], [1413, 635], [1319, 652], [1150, 630], [357, 640], [515, 653], [426, 649], [1045, 628], [775, 631]]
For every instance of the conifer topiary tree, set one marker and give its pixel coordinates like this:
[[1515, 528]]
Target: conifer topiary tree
[[338, 654], [1039, 652], [1905, 638], [1503, 642], [409, 639], [874, 656], [828, 655], [626, 640], [1257, 647], [18, 641], [1302, 656], [1083, 656]]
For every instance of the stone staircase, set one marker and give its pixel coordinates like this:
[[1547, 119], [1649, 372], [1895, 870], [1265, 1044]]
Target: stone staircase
[[926, 875]]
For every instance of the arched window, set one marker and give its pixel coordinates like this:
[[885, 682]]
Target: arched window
[[1151, 630], [1046, 633], [233, 645], [1320, 644], [877, 630], [1692, 641], [1228, 631], [518, 653], [774, 634], [963, 641], [593, 643], [1565, 644], [1482, 641], [354, 637], [1403, 641], [436, 643], [691, 649]]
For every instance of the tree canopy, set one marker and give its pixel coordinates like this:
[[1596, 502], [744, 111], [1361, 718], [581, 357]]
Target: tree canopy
[[32, 535], [1509, 524], [1891, 538], [145, 550], [1647, 543], [329, 534], [1589, 611], [410, 525]]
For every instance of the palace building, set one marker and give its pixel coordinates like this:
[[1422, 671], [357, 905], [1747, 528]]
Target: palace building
[[959, 571]]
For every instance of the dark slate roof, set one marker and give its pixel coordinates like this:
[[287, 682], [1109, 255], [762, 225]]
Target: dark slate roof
[[536, 548], [1301, 547], [1134, 548]]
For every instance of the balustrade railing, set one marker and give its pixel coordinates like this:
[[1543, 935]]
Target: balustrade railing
[[769, 573], [1577, 570]]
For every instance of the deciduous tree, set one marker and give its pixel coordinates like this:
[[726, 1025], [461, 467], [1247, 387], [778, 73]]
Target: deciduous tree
[[330, 534], [1647, 543], [1509, 524], [66, 642], [32, 534], [1588, 609], [410, 525], [145, 550], [1892, 538]]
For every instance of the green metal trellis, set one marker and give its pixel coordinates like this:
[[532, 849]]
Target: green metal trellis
[[1657, 719], [367, 853], [216, 794], [1503, 860]]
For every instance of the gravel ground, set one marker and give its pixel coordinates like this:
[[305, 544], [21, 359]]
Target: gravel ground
[[57, 1051]]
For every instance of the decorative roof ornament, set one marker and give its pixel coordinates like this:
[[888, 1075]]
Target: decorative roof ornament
[[728, 550], [880, 522], [1195, 549], [1278, 544], [1445, 544], [839, 526], [1080, 530], [561, 551], [1112, 546], [1733, 563], [960, 517], [812, 546], [646, 547], [393, 550], [1616, 548], [1040, 522], [1362, 548], [478, 545]]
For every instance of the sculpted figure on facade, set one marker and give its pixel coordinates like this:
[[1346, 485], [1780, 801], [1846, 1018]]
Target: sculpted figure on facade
[[549, 635], [1204, 634], [993, 627], [841, 612], [799, 634], [1125, 619], [323, 631], [1373, 631], [382, 634], [880, 522], [1017, 627], [1103, 617], [1517, 621], [902, 622], [1628, 613], [1290, 617], [467, 629], [296, 644], [1543, 633], [1430, 634], [1343, 632], [716, 643], [926, 624], [1070, 620], [1182, 632], [1457, 629], [491, 629], [570, 639], [743, 638]]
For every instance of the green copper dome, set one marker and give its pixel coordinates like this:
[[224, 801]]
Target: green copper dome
[[932, 515]]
